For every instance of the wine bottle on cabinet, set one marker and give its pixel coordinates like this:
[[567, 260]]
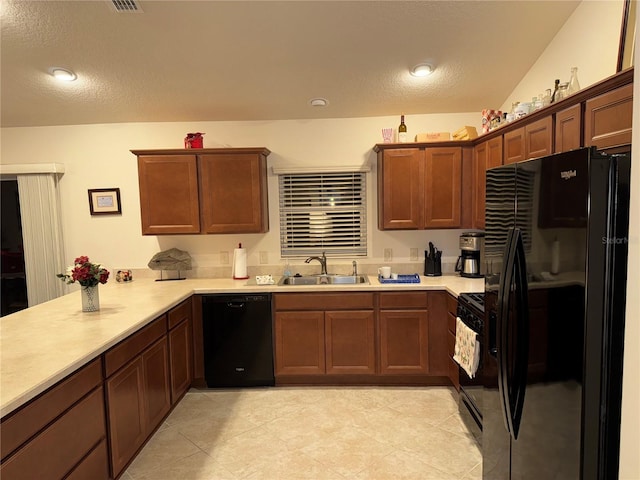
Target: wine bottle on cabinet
[[402, 131]]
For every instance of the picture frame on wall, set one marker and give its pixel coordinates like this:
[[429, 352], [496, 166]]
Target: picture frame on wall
[[104, 201]]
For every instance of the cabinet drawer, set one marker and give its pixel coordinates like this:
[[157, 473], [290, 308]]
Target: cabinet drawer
[[323, 301], [94, 466], [404, 300], [59, 448], [451, 344], [179, 313], [27, 421], [452, 304], [451, 323], [122, 353]]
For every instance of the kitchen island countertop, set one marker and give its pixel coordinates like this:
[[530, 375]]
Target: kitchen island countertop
[[43, 344]]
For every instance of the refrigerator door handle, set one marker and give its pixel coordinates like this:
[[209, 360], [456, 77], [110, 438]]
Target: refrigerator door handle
[[502, 345], [521, 361]]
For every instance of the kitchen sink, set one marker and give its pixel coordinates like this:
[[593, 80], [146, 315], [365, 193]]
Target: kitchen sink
[[325, 280]]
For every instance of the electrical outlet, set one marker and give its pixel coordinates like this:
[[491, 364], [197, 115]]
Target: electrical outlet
[[224, 258], [388, 254], [264, 257], [413, 254]]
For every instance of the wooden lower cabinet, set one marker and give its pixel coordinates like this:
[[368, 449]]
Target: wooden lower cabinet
[[181, 352], [180, 360], [138, 399], [453, 367], [350, 342], [404, 342], [60, 432], [299, 343]]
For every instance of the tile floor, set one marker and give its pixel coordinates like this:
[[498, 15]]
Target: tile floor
[[363, 433]]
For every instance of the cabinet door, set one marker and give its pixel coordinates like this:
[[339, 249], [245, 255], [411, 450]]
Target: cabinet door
[[514, 150], [438, 332], [168, 194], [607, 119], [400, 183], [180, 359], [350, 342], [404, 340], [443, 187], [486, 155], [299, 343], [125, 403], [539, 138], [155, 362], [568, 129], [233, 190]]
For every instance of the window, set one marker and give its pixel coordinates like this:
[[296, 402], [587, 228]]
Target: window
[[323, 212]]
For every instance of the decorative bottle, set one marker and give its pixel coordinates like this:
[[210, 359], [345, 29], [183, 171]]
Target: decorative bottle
[[402, 131], [574, 85], [555, 90]]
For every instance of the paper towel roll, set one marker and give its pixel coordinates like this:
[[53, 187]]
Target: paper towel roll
[[240, 263]]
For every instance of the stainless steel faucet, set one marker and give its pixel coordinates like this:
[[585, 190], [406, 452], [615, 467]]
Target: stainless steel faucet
[[355, 268], [322, 260]]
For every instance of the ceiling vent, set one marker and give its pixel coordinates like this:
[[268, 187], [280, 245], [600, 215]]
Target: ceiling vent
[[126, 6]]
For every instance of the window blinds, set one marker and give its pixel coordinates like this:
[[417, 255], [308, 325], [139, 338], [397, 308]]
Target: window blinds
[[323, 212]]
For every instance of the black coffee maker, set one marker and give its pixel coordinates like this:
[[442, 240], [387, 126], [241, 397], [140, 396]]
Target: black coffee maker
[[470, 262]]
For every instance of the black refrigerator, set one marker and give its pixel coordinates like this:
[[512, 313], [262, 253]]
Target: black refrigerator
[[556, 251]]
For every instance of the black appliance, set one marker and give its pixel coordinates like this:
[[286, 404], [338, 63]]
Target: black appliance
[[238, 340], [471, 312], [553, 343]]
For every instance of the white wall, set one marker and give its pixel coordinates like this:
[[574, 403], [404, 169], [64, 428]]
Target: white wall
[[588, 40], [97, 156], [630, 429]]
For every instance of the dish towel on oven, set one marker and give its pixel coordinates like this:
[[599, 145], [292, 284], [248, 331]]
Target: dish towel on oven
[[467, 349]]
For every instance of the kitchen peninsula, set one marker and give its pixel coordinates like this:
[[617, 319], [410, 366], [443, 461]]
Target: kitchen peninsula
[[53, 351]]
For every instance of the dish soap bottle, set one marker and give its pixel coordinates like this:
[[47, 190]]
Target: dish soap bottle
[[402, 131], [574, 85]]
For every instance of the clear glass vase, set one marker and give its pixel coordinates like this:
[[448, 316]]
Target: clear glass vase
[[90, 298], [574, 85]]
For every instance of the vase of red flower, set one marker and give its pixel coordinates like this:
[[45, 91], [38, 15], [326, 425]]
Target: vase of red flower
[[89, 276]]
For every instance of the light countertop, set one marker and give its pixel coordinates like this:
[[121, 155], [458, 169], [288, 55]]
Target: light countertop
[[43, 344]]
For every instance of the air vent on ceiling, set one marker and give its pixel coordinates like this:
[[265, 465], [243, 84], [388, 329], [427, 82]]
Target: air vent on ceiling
[[126, 6]]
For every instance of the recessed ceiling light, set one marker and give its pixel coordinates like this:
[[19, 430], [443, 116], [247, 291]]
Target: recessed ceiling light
[[422, 70], [318, 102], [63, 74]]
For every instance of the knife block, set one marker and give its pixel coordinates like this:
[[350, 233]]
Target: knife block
[[432, 266]]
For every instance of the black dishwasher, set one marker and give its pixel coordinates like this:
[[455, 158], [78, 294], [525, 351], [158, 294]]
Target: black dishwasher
[[238, 340]]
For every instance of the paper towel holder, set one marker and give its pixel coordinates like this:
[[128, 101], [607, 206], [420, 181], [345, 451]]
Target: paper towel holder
[[239, 267]]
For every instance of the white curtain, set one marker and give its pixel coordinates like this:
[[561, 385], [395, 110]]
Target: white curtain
[[42, 236]]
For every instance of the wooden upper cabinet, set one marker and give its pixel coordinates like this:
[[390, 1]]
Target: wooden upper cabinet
[[420, 188], [514, 146], [538, 139], [211, 190], [169, 194], [608, 118], [530, 141], [234, 193], [443, 187], [486, 155], [400, 173], [568, 129]]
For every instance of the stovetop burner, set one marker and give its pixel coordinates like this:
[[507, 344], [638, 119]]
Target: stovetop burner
[[474, 300]]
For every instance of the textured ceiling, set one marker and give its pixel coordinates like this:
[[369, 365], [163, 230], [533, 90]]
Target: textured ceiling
[[264, 60]]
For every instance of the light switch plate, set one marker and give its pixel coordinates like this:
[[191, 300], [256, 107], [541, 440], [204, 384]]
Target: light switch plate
[[413, 254], [388, 254], [264, 257], [224, 257]]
